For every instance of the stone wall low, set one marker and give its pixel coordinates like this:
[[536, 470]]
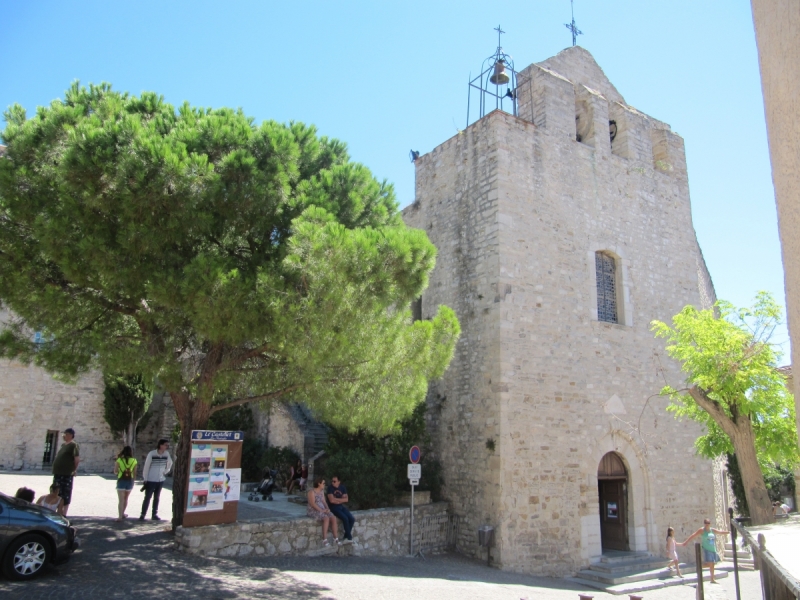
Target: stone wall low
[[377, 532]]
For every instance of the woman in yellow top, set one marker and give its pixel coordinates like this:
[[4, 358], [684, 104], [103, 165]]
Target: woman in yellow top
[[125, 470]]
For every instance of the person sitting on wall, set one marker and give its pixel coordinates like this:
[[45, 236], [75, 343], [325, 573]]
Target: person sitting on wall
[[337, 499], [318, 509], [294, 476], [303, 478], [780, 509]]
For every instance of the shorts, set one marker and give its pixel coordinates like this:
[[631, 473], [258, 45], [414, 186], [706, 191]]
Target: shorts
[[125, 484], [709, 556], [64, 487]]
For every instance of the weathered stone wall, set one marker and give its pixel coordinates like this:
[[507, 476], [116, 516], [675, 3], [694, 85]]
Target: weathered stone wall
[[33, 403], [378, 532], [283, 430], [539, 389], [777, 25]]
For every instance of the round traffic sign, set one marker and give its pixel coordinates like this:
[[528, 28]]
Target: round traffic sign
[[413, 454]]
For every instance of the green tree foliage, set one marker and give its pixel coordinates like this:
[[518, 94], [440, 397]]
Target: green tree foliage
[[734, 389], [254, 262], [126, 399]]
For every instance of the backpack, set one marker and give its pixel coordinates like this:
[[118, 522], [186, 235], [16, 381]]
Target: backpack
[[128, 471]]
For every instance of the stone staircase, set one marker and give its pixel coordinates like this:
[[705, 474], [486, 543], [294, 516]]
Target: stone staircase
[[621, 573], [744, 558], [315, 434]]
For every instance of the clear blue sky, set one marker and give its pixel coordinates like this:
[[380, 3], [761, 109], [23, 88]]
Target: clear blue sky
[[387, 77]]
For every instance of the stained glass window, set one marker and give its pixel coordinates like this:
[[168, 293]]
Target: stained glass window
[[606, 271]]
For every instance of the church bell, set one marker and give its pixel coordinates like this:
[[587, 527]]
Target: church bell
[[499, 77]]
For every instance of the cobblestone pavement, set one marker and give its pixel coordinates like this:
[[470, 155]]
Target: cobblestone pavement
[[137, 560]]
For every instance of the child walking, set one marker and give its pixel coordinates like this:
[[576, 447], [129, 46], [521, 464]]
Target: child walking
[[672, 552]]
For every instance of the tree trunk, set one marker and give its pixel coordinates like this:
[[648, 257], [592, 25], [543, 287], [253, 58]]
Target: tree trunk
[[755, 490], [740, 431], [130, 437], [192, 414]]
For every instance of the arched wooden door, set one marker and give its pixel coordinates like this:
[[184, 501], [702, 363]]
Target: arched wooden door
[[612, 484]]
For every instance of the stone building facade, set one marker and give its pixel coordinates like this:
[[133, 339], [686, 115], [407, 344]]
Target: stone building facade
[[557, 246], [36, 408], [777, 25]]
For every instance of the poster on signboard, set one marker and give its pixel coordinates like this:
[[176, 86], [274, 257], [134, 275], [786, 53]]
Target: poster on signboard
[[200, 460], [219, 455], [216, 490], [198, 493], [233, 481]]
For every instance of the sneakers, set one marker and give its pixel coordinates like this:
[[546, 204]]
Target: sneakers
[[155, 518], [141, 517], [346, 541]]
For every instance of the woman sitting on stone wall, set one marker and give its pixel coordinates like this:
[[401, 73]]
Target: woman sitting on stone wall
[[318, 509]]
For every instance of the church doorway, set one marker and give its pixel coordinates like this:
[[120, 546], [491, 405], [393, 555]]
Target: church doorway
[[612, 484]]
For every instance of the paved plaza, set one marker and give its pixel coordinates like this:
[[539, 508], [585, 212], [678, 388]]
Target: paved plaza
[[137, 560]]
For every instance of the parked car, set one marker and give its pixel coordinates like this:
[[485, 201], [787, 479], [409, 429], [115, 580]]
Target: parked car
[[32, 537]]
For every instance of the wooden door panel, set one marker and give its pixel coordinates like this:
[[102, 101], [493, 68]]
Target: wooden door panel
[[613, 517]]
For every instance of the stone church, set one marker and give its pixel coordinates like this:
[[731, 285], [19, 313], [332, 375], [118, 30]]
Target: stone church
[[562, 233]]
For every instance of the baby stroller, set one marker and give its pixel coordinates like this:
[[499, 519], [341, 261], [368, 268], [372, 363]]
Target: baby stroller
[[266, 486]]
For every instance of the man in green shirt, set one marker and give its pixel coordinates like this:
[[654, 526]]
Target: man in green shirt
[[65, 466]]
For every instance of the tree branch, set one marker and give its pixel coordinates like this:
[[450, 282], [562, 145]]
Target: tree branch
[[271, 395], [714, 410]]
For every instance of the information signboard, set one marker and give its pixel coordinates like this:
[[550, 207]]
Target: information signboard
[[214, 478]]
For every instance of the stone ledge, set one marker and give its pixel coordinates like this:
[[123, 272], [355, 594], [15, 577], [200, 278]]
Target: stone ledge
[[377, 532]]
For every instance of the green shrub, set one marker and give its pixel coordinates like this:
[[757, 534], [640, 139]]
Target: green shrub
[[367, 477]]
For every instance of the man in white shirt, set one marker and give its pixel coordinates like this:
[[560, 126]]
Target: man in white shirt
[[156, 465]]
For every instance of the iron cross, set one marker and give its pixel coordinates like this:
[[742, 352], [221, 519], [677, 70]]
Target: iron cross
[[571, 26]]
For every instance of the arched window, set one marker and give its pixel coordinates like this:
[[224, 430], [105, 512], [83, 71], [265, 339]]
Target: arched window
[[606, 274]]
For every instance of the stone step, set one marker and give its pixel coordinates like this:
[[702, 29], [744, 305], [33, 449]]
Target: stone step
[[690, 578], [647, 564], [621, 557], [617, 576]]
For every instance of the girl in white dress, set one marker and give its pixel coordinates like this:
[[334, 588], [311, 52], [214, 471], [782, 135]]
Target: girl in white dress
[[672, 551]]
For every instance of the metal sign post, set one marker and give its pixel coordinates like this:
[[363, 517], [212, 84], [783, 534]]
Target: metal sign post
[[414, 474]]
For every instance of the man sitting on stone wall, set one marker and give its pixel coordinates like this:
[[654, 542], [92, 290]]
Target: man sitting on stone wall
[[337, 498], [65, 466]]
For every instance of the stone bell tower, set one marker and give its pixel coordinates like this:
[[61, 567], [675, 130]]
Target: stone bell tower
[[564, 227]]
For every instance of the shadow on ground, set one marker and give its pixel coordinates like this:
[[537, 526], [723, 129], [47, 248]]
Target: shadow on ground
[[134, 560]]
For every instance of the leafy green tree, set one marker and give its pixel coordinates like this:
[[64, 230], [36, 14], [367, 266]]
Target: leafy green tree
[[126, 399], [228, 259], [735, 390]]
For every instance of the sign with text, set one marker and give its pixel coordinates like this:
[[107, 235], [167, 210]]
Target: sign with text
[[214, 477], [414, 472], [217, 436]]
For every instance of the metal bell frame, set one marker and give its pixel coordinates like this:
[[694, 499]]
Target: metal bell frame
[[483, 82]]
